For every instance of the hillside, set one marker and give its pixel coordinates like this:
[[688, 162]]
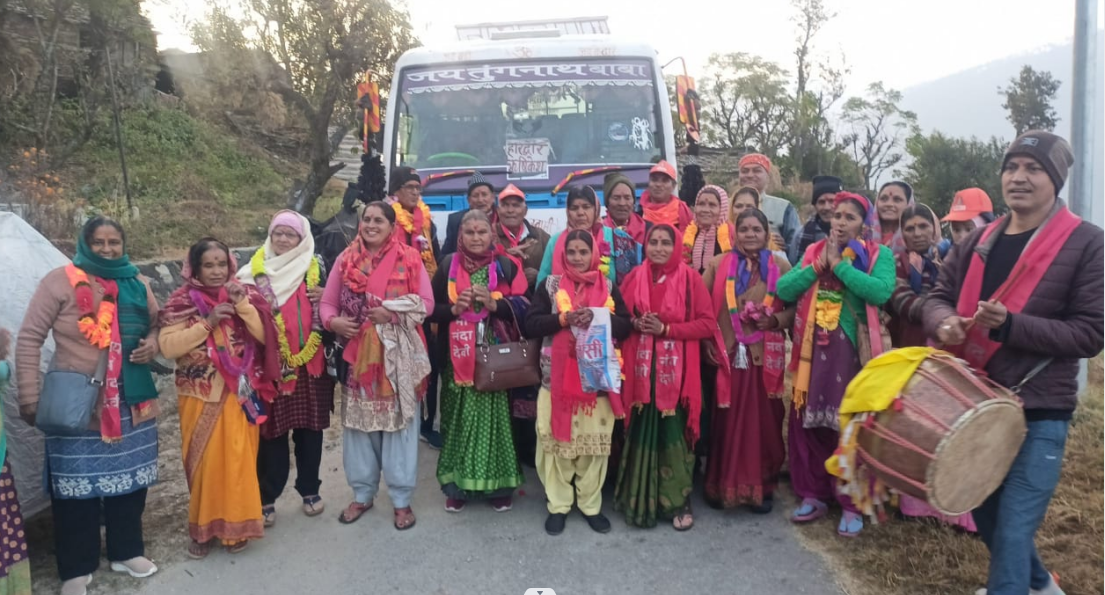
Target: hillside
[[967, 103], [188, 177]]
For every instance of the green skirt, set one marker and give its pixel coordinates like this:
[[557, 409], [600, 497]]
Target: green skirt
[[655, 474], [478, 458]]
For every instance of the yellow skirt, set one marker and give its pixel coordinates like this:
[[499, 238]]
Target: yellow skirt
[[220, 462]]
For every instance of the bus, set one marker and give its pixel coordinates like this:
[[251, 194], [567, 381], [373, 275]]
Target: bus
[[541, 105]]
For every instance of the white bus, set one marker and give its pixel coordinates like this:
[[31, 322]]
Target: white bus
[[533, 104]]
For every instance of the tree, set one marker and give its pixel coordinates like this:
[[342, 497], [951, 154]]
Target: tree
[[322, 47], [53, 82], [942, 166], [878, 129], [1028, 100], [812, 102], [745, 103]]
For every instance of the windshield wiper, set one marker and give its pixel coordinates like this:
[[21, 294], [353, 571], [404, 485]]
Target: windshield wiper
[[596, 170]]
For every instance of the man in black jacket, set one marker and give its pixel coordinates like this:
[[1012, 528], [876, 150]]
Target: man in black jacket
[[1022, 299], [481, 196]]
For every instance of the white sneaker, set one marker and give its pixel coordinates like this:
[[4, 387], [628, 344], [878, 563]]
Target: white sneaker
[[76, 586], [139, 567], [1050, 589]]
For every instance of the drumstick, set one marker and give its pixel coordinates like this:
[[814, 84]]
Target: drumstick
[[971, 321]]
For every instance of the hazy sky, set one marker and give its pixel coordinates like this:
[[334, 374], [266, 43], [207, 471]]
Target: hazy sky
[[901, 42]]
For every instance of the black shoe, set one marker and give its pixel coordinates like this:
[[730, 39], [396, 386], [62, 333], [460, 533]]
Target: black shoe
[[764, 508], [599, 523], [554, 525], [433, 439]]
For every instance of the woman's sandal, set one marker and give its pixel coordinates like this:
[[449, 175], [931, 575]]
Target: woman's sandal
[[810, 510], [851, 524], [198, 551], [313, 505], [353, 512], [268, 513], [404, 518], [237, 548], [684, 520]]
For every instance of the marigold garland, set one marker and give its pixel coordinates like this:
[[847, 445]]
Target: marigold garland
[[406, 221], [604, 266], [829, 304], [564, 302], [691, 234], [314, 340], [97, 329]]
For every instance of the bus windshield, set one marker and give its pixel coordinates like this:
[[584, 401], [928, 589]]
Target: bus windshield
[[524, 116]]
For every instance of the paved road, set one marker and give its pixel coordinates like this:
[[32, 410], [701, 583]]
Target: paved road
[[482, 552]]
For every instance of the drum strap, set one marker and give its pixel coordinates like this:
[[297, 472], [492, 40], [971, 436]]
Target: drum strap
[[1031, 374]]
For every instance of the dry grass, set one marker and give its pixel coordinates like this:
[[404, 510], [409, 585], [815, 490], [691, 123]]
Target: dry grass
[[918, 557]]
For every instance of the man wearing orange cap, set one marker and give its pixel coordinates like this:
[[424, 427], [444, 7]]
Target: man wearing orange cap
[[659, 204], [517, 238], [783, 217], [524, 243]]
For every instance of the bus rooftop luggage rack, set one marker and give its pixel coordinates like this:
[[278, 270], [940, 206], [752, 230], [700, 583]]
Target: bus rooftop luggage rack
[[537, 28]]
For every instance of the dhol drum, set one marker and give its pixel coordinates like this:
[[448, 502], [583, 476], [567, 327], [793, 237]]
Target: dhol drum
[[949, 439]]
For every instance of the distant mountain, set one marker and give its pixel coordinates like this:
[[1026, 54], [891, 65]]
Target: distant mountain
[[967, 103]]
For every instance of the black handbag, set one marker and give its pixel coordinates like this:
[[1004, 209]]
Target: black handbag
[[334, 354]]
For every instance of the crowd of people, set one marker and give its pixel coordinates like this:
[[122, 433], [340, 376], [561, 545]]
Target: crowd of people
[[690, 306]]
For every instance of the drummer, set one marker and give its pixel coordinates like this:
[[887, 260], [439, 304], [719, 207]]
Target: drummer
[[1022, 300]]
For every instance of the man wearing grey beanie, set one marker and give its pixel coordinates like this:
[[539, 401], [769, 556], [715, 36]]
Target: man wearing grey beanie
[[481, 196], [1022, 300]]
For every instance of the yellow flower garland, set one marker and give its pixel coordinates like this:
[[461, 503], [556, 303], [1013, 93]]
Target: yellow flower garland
[[406, 221], [691, 233], [314, 340], [564, 302], [723, 238], [604, 266]]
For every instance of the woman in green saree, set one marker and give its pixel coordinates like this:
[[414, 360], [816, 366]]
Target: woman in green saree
[[478, 298], [662, 393]]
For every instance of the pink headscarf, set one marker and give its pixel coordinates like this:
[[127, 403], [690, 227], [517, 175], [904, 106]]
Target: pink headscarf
[[290, 219]]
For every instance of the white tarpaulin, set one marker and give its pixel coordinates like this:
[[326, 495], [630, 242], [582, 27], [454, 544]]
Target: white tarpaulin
[[26, 256]]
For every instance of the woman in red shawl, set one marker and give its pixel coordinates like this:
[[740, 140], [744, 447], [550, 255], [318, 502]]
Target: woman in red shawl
[[573, 426], [662, 391], [217, 395], [478, 297], [747, 452]]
